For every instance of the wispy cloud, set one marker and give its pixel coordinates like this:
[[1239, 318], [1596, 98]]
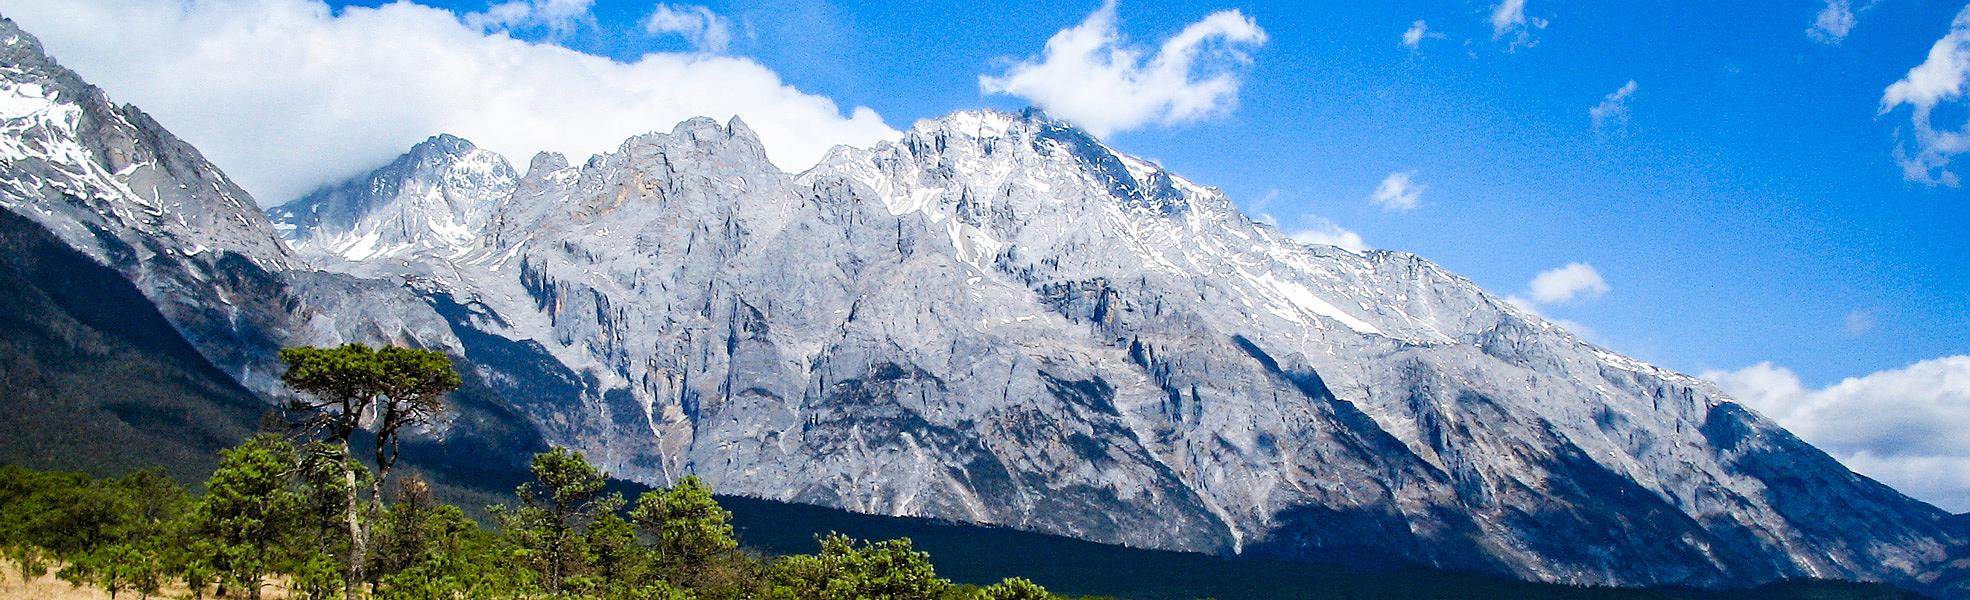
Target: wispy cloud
[[1508, 21], [1312, 229], [698, 25], [287, 95], [1613, 109], [1938, 81], [1413, 37], [1903, 427], [1399, 192], [1094, 76], [558, 17], [1834, 22], [1859, 323], [1573, 282]]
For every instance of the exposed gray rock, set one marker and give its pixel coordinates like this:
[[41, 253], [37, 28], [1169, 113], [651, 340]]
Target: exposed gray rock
[[996, 319], [999, 319]]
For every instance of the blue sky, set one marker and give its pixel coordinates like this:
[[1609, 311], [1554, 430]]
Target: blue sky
[[1740, 211]]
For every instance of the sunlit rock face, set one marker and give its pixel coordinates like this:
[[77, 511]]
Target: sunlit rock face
[[996, 319]]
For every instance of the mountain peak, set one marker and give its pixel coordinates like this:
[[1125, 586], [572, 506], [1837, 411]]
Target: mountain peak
[[443, 144], [434, 197]]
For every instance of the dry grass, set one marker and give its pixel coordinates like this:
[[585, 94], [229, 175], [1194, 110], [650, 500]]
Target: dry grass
[[47, 587]]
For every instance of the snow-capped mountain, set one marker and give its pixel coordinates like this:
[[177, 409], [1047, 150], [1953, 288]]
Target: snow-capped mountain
[[435, 200], [110, 182], [999, 319], [996, 319]]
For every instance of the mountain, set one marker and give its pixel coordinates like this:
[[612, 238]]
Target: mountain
[[147, 296], [995, 320], [435, 199], [998, 319]]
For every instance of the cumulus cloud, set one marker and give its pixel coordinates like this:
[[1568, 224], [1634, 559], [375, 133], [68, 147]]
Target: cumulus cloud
[[1319, 230], [1613, 109], [286, 95], [699, 25], [1938, 81], [1575, 281], [1092, 75], [1508, 20], [1417, 32], [1834, 22], [1399, 192], [1903, 427]]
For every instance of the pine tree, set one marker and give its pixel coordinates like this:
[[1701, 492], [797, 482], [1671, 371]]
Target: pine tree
[[556, 510], [350, 385], [248, 510]]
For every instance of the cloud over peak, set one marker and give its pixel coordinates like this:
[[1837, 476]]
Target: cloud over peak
[[1094, 76], [288, 95]]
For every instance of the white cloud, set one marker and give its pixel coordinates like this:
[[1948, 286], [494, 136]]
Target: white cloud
[[1575, 281], [1323, 231], [1508, 20], [1417, 32], [558, 17], [1398, 192], [1834, 22], [1859, 323], [1904, 427], [1939, 80], [1613, 109], [704, 29], [1314, 229], [1509, 14], [1093, 76], [286, 95], [1262, 210]]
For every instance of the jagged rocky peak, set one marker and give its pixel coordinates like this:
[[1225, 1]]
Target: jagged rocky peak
[[991, 161], [436, 198]]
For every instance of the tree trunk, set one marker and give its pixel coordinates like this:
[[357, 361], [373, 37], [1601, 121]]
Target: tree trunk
[[351, 512]]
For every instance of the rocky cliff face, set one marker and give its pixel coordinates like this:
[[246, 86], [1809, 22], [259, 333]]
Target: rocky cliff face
[[997, 319]]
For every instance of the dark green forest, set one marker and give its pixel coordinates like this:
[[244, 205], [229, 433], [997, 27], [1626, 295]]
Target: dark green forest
[[272, 511]]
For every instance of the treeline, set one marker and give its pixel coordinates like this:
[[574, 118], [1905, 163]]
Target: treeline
[[287, 510], [272, 513]]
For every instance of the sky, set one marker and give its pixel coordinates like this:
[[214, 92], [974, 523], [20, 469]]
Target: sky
[[1767, 194]]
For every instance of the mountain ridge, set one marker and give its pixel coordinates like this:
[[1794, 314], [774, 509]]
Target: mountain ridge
[[1151, 210], [996, 319]]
